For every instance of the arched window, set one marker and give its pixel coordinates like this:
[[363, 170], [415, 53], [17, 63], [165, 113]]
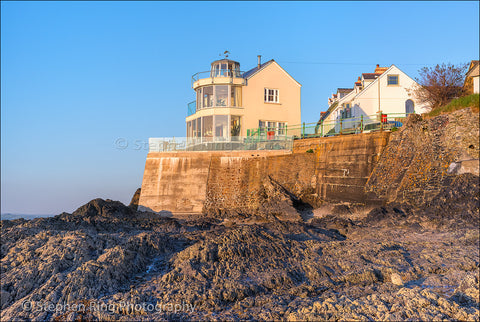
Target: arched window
[[409, 107]]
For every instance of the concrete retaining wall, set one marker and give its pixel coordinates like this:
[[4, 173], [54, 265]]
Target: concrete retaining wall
[[193, 182], [176, 182]]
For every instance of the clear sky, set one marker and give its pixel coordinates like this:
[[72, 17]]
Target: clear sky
[[77, 76]]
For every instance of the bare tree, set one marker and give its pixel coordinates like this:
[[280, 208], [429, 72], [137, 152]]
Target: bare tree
[[440, 84]]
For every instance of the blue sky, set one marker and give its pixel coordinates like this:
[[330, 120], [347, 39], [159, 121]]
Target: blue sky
[[76, 76]]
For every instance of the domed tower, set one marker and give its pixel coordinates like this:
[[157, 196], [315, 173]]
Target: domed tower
[[216, 113], [232, 105]]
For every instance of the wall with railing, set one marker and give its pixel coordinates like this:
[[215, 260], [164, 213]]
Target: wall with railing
[[364, 123], [236, 143]]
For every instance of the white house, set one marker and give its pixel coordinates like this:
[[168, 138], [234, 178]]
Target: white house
[[386, 91]]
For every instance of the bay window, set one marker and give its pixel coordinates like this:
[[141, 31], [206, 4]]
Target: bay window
[[220, 127], [219, 96]]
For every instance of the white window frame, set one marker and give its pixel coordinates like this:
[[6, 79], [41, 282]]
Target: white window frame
[[276, 126], [266, 95], [281, 130]]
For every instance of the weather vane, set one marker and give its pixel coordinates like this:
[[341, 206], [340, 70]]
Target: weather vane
[[226, 52]]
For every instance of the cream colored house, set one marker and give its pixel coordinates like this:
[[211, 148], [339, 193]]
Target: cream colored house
[[472, 84], [229, 101], [385, 91]]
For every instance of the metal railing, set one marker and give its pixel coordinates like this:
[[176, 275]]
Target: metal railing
[[362, 124], [237, 143], [217, 73]]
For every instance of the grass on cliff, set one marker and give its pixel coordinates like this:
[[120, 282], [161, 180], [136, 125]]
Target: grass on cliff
[[458, 104]]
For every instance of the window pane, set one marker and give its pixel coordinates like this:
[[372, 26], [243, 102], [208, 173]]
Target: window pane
[[199, 127], [392, 80], [221, 126], [271, 95], [221, 95], [215, 71], [207, 96], [281, 128], [261, 124], [199, 99], [236, 96], [224, 71], [207, 126], [235, 126]]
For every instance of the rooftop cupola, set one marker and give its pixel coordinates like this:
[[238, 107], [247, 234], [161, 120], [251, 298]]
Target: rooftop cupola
[[225, 68], [222, 71]]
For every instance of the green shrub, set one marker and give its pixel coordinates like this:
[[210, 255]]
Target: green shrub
[[457, 104], [309, 151]]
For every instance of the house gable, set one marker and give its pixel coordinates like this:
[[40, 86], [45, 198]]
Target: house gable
[[270, 64], [392, 98], [392, 70], [473, 69]]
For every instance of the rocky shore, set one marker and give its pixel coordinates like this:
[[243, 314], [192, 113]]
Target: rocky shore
[[105, 261], [414, 257]]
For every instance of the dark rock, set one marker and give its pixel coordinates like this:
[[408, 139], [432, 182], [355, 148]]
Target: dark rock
[[458, 202], [334, 222], [277, 201], [135, 199]]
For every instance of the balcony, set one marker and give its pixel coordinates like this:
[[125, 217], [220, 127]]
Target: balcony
[[192, 107], [219, 76]]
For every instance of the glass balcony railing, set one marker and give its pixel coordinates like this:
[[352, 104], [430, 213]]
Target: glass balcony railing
[[236, 143], [217, 73], [192, 108]]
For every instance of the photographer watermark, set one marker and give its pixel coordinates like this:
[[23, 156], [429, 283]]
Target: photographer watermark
[[153, 144], [110, 307]]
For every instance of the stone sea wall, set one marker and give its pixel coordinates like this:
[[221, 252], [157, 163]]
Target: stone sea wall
[[411, 166], [335, 168], [176, 182], [423, 154]]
